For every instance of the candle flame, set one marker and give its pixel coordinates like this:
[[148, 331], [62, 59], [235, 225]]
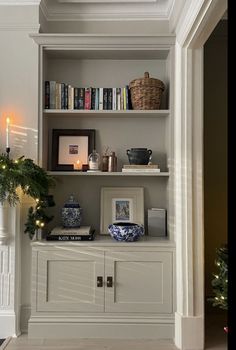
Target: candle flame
[[8, 120]]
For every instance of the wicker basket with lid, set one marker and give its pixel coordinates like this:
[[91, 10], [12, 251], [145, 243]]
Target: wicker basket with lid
[[146, 92]]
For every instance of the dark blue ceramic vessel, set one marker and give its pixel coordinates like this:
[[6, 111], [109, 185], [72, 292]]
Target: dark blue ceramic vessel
[[139, 156]]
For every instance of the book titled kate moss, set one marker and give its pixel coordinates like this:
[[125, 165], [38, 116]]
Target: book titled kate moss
[[83, 233]]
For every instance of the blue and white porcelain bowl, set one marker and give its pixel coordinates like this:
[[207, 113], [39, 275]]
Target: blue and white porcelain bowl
[[126, 231]]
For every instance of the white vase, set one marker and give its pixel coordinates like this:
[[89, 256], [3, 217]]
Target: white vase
[[4, 211]]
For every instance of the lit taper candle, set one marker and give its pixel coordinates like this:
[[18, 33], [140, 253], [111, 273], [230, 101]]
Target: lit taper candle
[[7, 133]]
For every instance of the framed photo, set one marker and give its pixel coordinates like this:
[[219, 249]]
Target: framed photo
[[121, 204], [71, 145]]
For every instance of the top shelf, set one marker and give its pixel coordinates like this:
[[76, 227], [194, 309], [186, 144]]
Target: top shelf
[[108, 113]]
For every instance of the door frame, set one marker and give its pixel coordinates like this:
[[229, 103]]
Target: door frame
[[195, 25]]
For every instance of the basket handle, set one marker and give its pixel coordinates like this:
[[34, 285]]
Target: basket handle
[[146, 75]]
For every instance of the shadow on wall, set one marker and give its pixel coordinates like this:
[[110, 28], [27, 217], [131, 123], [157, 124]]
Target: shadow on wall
[[23, 141]]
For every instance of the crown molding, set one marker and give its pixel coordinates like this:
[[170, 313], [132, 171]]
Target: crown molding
[[105, 10], [19, 2], [102, 1]]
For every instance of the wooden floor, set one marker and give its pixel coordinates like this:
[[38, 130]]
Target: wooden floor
[[23, 343]]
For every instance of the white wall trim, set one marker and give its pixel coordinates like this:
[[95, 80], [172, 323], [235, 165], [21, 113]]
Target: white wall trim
[[24, 317], [188, 333], [31, 27], [191, 36], [119, 10], [19, 2], [199, 17]]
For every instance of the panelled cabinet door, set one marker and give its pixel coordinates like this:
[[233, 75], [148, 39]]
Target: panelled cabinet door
[[70, 280], [138, 282]]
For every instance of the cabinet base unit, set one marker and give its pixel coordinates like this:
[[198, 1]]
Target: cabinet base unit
[[103, 289]]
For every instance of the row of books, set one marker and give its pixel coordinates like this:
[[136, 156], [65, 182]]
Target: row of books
[[132, 168], [65, 96]]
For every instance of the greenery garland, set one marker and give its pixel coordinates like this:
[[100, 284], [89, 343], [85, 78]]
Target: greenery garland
[[34, 181]]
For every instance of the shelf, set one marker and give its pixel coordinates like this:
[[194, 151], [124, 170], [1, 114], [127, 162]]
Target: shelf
[[80, 173], [105, 113], [107, 241]]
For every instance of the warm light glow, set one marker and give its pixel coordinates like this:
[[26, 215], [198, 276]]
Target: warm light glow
[[8, 120], [37, 222], [16, 161], [77, 165], [37, 200], [42, 224], [4, 166]]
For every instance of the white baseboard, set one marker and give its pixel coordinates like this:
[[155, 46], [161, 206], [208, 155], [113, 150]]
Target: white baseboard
[[24, 317], [8, 324], [119, 330], [189, 332]]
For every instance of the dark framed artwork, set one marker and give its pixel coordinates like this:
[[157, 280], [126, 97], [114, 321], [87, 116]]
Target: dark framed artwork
[[69, 146]]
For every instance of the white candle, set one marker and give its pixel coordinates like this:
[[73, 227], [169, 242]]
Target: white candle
[[7, 133]]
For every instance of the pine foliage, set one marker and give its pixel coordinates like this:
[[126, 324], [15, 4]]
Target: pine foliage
[[24, 174], [220, 280]]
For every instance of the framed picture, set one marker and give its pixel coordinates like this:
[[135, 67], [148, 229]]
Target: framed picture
[[70, 146], [121, 204]]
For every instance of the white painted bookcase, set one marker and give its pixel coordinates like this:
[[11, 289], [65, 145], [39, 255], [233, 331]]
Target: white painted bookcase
[[105, 288]]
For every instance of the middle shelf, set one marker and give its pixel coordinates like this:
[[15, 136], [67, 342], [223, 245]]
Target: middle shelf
[[117, 173]]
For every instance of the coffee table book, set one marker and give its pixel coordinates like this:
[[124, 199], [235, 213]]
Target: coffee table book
[[82, 233]]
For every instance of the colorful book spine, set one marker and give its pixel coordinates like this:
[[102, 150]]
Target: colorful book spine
[[93, 98], [113, 99], [87, 98], [47, 95], [58, 95], [81, 98], [118, 99], [105, 98], [52, 84], [66, 96], [62, 95], [97, 99], [70, 97], [76, 98], [100, 99]]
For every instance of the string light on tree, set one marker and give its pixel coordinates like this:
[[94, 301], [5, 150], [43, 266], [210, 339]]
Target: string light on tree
[[220, 280]]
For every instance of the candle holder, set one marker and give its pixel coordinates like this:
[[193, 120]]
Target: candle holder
[[8, 151]]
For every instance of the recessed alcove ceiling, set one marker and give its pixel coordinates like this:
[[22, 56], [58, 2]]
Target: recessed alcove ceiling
[[69, 10]]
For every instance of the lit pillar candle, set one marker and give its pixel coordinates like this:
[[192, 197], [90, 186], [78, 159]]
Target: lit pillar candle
[[7, 133]]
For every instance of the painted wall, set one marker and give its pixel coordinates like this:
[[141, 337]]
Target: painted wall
[[19, 101], [215, 144]]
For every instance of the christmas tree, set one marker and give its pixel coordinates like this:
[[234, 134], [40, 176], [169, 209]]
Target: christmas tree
[[220, 280]]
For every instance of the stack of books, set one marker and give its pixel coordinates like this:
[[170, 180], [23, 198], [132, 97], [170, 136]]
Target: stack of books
[[82, 233], [133, 168]]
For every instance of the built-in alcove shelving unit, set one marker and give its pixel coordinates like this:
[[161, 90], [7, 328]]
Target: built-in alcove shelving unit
[[106, 61]]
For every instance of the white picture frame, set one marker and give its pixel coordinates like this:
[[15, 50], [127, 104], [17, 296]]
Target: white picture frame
[[121, 204]]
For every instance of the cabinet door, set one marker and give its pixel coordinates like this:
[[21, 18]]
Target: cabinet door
[[141, 282], [67, 281]]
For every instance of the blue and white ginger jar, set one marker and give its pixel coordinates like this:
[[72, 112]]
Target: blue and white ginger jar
[[71, 213]]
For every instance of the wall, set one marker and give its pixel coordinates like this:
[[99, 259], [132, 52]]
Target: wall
[[19, 100], [215, 145]]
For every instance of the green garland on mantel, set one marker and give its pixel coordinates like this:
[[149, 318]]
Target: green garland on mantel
[[22, 173]]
